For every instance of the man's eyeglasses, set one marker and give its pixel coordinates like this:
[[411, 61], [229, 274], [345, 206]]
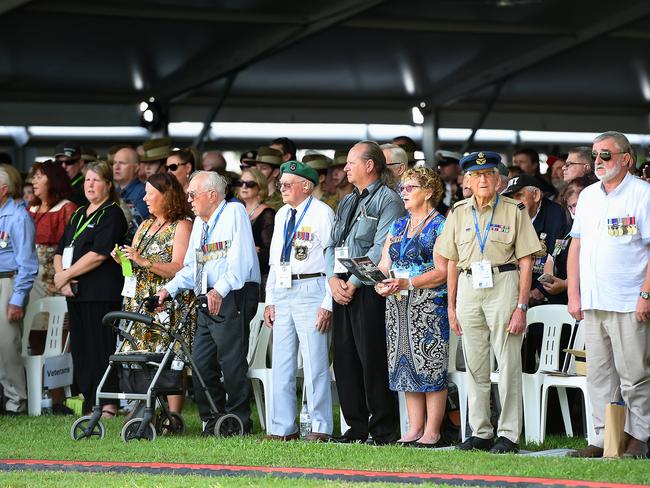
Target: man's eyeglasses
[[245, 184], [174, 166], [407, 188], [281, 185], [477, 175], [193, 194], [568, 164], [605, 155], [69, 162]]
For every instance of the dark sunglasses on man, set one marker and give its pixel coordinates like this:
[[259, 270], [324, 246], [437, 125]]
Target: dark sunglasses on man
[[69, 162], [245, 184], [605, 155]]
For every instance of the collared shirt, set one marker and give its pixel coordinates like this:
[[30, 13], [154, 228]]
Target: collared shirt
[[510, 238], [133, 195], [376, 212], [233, 265], [613, 255], [310, 241], [19, 254]]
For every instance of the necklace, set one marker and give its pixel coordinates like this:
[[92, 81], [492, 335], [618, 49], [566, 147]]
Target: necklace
[[252, 212], [415, 223]]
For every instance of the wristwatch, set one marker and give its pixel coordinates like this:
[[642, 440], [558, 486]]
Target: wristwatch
[[645, 295], [523, 307]]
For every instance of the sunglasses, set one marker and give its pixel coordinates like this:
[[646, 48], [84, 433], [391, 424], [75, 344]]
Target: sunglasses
[[605, 155], [245, 184], [407, 188], [69, 162], [174, 166]]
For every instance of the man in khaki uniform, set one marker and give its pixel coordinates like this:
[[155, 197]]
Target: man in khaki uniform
[[489, 240]]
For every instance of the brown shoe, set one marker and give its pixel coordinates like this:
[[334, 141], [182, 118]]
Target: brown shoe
[[588, 452], [284, 438], [318, 437], [636, 449]]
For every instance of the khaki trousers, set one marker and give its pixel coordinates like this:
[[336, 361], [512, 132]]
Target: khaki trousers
[[618, 354], [12, 371], [484, 315]]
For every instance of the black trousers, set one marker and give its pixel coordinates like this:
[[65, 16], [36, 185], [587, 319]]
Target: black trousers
[[91, 343], [221, 348], [361, 366]]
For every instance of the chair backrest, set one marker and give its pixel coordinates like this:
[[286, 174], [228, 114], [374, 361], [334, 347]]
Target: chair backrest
[[453, 352], [553, 317], [579, 343], [259, 350], [55, 308], [257, 323]]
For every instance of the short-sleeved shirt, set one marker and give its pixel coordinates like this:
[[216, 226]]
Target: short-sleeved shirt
[[510, 238], [107, 228], [614, 233]]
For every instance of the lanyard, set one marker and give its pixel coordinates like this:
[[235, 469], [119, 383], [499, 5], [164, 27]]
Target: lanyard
[[483, 241], [87, 222], [350, 221], [404, 245], [150, 238], [204, 245], [286, 246], [76, 180]]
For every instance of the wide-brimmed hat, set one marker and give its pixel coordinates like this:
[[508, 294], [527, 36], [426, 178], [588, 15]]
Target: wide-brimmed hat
[[155, 150], [340, 158], [268, 155], [317, 161]]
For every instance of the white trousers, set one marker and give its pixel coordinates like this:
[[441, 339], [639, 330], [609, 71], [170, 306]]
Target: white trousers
[[12, 371], [296, 310]]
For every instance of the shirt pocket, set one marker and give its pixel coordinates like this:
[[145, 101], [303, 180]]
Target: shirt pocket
[[502, 239], [366, 230]]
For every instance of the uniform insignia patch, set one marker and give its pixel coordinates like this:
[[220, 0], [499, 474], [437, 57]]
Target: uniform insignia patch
[[521, 206], [480, 158]]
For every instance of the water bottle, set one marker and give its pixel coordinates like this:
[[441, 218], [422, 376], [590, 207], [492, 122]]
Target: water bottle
[[305, 421], [46, 403]]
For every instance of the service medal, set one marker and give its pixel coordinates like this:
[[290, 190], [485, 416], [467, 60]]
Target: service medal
[[300, 253], [3, 244]]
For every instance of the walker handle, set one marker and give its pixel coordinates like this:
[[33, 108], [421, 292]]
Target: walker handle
[[110, 317]]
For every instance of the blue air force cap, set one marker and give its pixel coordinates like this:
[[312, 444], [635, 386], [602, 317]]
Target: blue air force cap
[[480, 160]]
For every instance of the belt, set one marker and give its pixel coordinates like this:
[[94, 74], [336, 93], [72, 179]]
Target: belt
[[500, 269], [306, 276], [7, 274]]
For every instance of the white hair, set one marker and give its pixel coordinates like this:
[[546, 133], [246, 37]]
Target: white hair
[[5, 179], [398, 155], [211, 180]]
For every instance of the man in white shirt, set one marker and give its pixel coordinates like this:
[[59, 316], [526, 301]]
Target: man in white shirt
[[609, 287], [222, 264], [299, 305]]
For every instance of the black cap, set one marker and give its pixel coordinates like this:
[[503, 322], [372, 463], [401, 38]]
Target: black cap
[[518, 182], [248, 157], [68, 149]]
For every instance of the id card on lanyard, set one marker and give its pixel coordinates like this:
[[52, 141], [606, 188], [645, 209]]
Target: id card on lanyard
[[68, 251], [482, 270]]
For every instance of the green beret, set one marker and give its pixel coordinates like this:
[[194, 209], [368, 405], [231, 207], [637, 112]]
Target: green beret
[[299, 169]]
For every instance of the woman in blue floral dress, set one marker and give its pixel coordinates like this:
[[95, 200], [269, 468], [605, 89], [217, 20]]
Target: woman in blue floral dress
[[417, 329]]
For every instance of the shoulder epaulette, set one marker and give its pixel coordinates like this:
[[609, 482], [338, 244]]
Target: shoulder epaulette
[[521, 206], [458, 204]]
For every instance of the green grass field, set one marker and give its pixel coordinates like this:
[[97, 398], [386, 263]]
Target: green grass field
[[49, 438]]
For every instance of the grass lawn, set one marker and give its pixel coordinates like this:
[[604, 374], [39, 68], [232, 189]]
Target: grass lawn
[[49, 438]]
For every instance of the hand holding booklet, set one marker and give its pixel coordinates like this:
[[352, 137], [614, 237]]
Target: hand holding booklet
[[364, 269]]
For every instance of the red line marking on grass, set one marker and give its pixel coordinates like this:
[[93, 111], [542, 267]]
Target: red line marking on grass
[[318, 471]]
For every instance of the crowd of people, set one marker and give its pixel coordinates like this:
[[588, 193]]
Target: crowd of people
[[464, 248]]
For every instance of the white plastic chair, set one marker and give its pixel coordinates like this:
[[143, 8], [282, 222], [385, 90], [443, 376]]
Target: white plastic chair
[[256, 325], [260, 372], [56, 308], [562, 383], [553, 317]]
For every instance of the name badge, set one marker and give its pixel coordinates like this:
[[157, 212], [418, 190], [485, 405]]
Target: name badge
[[66, 260], [401, 273], [283, 277], [482, 274], [128, 290], [340, 252]]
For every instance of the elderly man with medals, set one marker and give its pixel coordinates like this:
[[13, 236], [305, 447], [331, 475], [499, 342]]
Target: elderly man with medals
[[299, 305], [488, 240], [221, 263]]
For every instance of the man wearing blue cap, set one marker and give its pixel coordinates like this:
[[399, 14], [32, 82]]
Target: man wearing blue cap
[[489, 240], [299, 305]]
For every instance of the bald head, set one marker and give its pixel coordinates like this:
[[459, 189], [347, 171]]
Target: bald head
[[125, 166], [213, 161]]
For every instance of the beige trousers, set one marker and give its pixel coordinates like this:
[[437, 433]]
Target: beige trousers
[[484, 315], [618, 354], [12, 371]]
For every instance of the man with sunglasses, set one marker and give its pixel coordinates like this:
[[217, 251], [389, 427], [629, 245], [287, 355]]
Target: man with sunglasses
[[488, 240], [608, 273], [68, 154]]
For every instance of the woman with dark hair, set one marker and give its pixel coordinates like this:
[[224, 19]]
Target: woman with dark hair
[[182, 163], [92, 282], [158, 250], [51, 211]]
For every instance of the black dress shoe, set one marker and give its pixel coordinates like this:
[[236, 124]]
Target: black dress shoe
[[475, 443], [350, 438], [381, 442], [504, 445]]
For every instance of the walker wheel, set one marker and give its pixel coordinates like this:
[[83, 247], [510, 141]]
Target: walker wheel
[[170, 425], [80, 429], [130, 430], [229, 425]]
